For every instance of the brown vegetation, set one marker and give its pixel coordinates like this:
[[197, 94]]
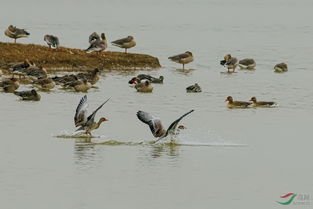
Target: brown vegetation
[[67, 59]]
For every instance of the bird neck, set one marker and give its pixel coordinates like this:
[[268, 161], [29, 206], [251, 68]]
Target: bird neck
[[98, 123]]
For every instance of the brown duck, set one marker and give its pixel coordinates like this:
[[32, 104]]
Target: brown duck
[[262, 103], [28, 95], [237, 104], [85, 123]]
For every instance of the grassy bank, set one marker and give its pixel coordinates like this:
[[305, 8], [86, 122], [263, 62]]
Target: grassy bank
[[67, 59]]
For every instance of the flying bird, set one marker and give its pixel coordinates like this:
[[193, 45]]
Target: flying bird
[[156, 126]]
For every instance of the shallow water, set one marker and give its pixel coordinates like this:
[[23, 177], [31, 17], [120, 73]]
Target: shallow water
[[226, 158]]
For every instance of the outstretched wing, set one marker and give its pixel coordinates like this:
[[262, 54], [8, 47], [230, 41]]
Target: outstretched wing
[[155, 124], [80, 117], [173, 126], [91, 118]]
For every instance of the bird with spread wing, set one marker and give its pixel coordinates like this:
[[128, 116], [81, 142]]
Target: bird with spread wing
[[85, 123], [156, 126]]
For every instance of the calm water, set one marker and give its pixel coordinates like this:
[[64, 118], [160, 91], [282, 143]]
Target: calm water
[[251, 156]]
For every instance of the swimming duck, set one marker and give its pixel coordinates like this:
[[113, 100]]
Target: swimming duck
[[10, 85], [150, 78], [156, 126], [79, 85], [85, 123], [247, 64], [52, 41], [237, 104], [281, 67], [93, 37], [92, 76], [15, 33], [44, 83], [28, 95], [262, 104], [193, 88], [125, 43], [183, 58], [144, 86], [97, 45], [230, 62]]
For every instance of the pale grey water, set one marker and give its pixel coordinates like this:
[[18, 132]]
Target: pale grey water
[[254, 155]]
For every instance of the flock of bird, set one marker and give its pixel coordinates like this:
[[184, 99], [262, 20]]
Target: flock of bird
[[82, 82]]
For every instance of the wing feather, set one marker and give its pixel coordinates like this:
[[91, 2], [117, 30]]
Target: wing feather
[[91, 117], [80, 117], [173, 126], [155, 124]]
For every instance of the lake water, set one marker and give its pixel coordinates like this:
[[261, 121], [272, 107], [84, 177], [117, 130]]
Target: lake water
[[227, 158]]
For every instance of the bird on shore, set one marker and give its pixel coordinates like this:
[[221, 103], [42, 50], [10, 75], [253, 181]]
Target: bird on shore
[[125, 43], [150, 78], [97, 45], [35, 72], [15, 33], [281, 67], [183, 58], [10, 85], [59, 80], [52, 41], [87, 124], [79, 85], [247, 64], [237, 104], [93, 37], [44, 84], [20, 66], [91, 76], [194, 88], [230, 62], [156, 126], [256, 103], [28, 95]]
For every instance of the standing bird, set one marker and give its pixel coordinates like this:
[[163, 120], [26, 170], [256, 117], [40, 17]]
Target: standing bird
[[156, 126], [237, 104], [183, 58], [247, 64], [52, 41], [230, 62], [125, 43], [193, 88], [261, 103], [28, 95], [97, 45], [281, 67], [85, 123], [15, 33]]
